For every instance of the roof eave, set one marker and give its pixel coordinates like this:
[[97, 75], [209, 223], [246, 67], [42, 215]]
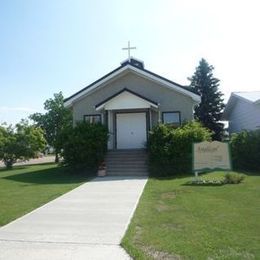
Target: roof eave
[[103, 103], [68, 102], [166, 82]]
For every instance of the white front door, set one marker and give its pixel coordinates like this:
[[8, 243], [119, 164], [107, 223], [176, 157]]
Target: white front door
[[131, 130]]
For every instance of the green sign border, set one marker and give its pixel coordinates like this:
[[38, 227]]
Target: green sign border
[[212, 169]]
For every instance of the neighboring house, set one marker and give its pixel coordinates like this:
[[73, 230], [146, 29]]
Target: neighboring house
[[130, 100], [243, 111]]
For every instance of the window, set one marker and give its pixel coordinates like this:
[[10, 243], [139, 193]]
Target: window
[[171, 118], [93, 119]]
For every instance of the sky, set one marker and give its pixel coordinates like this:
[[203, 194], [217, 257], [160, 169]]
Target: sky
[[64, 45]]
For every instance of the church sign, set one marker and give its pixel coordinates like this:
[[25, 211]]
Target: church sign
[[209, 156]]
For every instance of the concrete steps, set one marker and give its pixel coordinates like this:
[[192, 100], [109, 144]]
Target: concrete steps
[[127, 162]]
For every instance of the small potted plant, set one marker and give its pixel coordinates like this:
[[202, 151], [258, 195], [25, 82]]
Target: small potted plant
[[102, 169]]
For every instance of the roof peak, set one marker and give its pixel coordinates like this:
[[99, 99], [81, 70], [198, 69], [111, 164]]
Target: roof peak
[[133, 61], [126, 66]]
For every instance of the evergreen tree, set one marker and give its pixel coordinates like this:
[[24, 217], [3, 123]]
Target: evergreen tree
[[210, 110]]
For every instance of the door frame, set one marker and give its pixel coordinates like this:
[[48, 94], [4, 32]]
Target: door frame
[[147, 120]]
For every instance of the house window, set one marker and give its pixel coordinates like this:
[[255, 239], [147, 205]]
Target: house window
[[171, 118], [92, 119]]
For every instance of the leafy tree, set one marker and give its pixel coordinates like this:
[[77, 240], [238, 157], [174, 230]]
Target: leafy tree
[[21, 142], [210, 110], [54, 121]]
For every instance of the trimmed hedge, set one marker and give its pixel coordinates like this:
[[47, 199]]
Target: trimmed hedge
[[245, 149], [170, 149], [85, 145]]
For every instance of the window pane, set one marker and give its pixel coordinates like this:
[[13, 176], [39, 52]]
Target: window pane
[[96, 119], [87, 119], [171, 118], [93, 119]]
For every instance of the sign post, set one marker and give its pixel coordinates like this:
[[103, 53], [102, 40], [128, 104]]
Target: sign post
[[209, 156]]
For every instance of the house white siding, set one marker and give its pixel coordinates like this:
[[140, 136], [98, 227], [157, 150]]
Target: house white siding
[[244, 116]]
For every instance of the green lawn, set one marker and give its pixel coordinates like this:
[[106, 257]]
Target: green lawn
[[25, 188], [177, 221]]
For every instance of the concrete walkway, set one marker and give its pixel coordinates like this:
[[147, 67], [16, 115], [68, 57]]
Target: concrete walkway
[[86, 223]]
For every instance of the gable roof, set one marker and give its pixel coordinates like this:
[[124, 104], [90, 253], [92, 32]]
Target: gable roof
[[149, 101], [252, 96], [125, 67], [246, 96]]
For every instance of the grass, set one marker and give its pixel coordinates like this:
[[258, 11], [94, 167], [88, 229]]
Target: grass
[[25, 188], [178, 221]]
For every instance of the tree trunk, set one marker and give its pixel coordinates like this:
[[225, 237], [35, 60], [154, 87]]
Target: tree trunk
[[56, 157], [9, 163]]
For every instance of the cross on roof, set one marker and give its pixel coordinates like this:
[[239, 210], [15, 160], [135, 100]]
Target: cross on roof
[[128, 49]]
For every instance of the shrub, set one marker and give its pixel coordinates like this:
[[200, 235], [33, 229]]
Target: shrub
[[233, 178], [170, 150], [245, 149], [229, 178], [85, 145], [202, 182]]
